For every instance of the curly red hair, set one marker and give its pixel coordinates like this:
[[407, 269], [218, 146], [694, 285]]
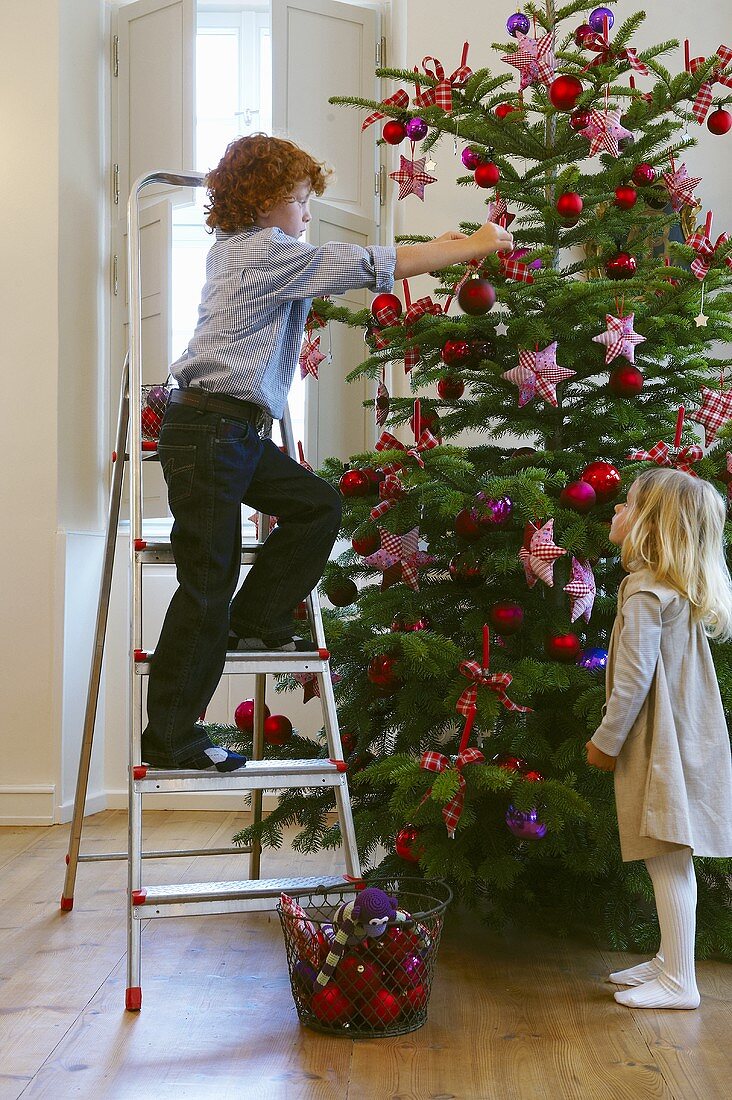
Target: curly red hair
[[256, 173]]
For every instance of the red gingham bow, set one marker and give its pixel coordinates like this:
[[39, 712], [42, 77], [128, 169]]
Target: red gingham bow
[[415, 310], [436, 762], [601, 45], [400, 99], [705, 250], [387, 316], [664, 455], [390, 490], [441, 94], [389, 442], [498, 682], [512, 268], [703, 100]]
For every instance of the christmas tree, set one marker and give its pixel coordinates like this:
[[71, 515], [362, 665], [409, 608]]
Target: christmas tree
[[472, 615]]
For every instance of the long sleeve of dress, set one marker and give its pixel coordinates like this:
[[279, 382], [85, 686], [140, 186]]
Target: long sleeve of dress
[[638, 648]]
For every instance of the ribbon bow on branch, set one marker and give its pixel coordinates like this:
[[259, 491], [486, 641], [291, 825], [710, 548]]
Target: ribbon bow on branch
[[436, 762], [389, 442], [400, 99], [441, 93], [665, 455], [705, 250], [498, 682], [703, 100], [600, 43], [415, 310], [390, 490]]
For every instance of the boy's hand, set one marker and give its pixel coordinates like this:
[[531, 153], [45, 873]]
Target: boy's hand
[[598, 759], [491, 238]]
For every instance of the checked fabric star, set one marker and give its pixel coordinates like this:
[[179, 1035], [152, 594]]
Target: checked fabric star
[[620, 339], [539, 553], [604, 132], [680, 187], [534, 59], [411, 177], [310, 356], [538, 373], [581, 590], [715, 411], [399, 558]]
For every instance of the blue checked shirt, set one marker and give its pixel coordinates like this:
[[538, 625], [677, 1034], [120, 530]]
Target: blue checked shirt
[[256, 298]]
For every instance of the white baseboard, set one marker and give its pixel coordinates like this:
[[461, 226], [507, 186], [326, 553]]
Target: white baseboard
[[28, 804], [191, 800], [95, 803]]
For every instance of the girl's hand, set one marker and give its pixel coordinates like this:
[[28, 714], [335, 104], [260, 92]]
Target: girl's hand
[[491, 238], [598, 759], [452, 235]]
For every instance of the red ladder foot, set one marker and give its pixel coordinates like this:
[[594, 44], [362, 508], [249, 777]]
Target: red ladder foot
[[133, 998], [67, 904]]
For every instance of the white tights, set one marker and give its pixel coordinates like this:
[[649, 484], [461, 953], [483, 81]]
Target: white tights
[[668, 980]]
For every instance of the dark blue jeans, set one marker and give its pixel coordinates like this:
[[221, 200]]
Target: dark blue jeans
[[212, 465]]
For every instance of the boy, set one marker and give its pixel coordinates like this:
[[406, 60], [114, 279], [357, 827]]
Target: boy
[[233, 380]]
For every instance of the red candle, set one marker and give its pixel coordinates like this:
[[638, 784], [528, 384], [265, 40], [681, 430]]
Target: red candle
[[417, 420], [466, 732], [679, 426], [486, 646], [708, 224], [686, 54]]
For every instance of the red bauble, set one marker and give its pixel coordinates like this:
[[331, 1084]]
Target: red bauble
[[357, 975], [476, 296], [569, 205], [414, 999], [622, 266], [579, 496], [401, 622], [625, 196], [466, 572], [277, 729], [366, 544], [487, 175], [381, 672], [504, 109], [244, 715], [394, 131], [397, 944], [482, 349], [625, 381], [466, 525], [510, 762], [331, 1005], [407, 845], [719, 121], [456, 352], [533, 776], [428, 421], [150, 421], [564, 92], [583, 32], [348, 742], [355, 483], [450, 388], [604, 478], [411, 971], [643, 174], [579, 120], [342, 593], [563, 647], [381, 1009], [375, 476], [301, 611], [388, 302], [506, 617]]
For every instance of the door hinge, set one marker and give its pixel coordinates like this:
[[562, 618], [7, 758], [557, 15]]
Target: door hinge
[[115, 55], [381, 52], [115, 275], [380, 185], [115, 184]]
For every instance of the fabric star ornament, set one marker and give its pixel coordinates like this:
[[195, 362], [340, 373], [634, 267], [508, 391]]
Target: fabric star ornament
[[680, 187], [604, 132], [538, 373], [498, 212], [716, 410], [310, 356], [534, 59], [581, 590], [539, 553], [619, 339], [398, 558], [411, 177], [310, 685]]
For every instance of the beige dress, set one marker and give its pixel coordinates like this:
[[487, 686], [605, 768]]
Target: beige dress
[[665, 724]]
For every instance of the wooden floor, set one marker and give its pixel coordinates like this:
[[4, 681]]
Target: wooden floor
[[509, 1019]]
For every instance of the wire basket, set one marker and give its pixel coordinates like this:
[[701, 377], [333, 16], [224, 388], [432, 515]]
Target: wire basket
[[380, 986], [154, 403]]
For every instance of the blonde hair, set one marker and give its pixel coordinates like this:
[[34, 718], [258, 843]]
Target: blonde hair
[[675, 528]]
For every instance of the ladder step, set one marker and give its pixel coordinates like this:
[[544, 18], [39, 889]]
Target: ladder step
[[261, 895], [258, 775], [258, 661], [159, 553]]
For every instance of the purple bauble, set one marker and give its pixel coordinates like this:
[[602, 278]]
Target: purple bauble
[[517, 24], [593, 659], [470, 159], [411, 970], [494, 513], [597, 19], [525, 824], [157, 397], [416, 129], [304, 974]]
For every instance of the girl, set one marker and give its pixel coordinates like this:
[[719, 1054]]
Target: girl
[[663, 732]]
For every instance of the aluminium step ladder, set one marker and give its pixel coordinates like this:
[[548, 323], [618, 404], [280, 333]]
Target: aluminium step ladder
[[254, 893]]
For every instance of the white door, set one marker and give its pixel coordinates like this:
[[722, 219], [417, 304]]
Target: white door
[[322, 48]]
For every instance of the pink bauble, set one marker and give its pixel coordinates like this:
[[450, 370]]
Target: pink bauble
[[471, 159], [579, 496], [604, 478], [622, 266], [643, 174], [450, 388], [506, 617], [565, 648], [625, 381], [495, 511], [476, 296], [244, 715]]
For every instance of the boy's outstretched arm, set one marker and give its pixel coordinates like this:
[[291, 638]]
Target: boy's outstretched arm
[[450, 248]]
